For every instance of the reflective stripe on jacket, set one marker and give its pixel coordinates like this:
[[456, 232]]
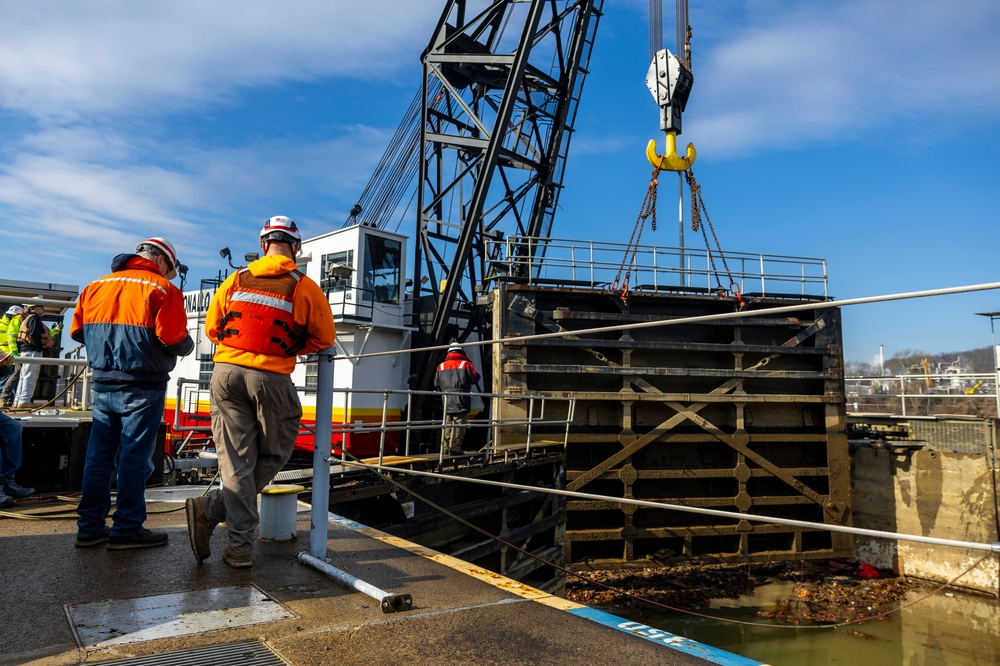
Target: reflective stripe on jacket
[[133, 324], [456, 373], [259, 315], [279, 315]]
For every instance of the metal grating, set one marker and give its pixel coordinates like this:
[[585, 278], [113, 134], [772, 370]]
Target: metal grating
[[961, 436], [244, 653]]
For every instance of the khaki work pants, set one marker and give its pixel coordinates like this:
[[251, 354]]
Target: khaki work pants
[[454, 431], [255, 420]]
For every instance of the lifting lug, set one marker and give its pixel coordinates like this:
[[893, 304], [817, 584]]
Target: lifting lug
[[671, 161]]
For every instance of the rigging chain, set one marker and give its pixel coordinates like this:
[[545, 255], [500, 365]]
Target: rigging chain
[[647, 210], [697, 209]]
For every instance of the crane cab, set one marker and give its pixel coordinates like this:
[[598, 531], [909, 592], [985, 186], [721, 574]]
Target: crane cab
[[360, 269]]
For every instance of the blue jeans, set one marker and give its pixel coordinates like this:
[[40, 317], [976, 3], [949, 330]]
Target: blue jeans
[[6, 372], [10, 446], [126, 423], [29, 375]]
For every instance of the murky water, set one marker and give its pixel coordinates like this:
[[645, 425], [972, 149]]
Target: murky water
[[956, 629]]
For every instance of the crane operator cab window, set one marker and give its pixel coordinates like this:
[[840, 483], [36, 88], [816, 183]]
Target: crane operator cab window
[[336, 271], [381, 270]]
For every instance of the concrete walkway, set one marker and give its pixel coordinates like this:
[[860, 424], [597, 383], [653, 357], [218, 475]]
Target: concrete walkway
[[67, 605]]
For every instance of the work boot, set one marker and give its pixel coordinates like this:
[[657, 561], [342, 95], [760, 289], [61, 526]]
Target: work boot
[[5, 500], [11, 487], [237, 561], [144, 539], [86, 541], [199, 528]]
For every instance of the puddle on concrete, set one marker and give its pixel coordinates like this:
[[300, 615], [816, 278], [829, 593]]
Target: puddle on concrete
[[956, 629]]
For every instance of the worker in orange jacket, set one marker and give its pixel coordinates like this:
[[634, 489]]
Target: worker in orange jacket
[[133, 324], [261, 318]]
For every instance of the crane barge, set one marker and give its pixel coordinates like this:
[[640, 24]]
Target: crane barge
[[746, 413]]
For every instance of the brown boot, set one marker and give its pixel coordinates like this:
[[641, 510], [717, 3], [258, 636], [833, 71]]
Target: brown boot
[[237, 561], [199, 528]]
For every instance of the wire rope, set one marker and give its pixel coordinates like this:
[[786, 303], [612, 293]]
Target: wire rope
[[742, 314], [376, 469]]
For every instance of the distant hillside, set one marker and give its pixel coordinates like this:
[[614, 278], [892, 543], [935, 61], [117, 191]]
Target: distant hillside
[[910, 361]]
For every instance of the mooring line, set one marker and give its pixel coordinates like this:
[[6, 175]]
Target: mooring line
[[972, 545], [375, 469], [742, 314]]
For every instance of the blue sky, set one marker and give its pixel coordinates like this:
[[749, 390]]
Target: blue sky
[[863, 132]]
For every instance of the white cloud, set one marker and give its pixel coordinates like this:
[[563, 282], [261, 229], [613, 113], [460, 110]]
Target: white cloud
[[822, 71], [101, 191], [90, 91], [71, 60]]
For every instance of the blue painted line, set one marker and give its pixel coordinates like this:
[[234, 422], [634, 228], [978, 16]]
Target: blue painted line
[[665, 638]]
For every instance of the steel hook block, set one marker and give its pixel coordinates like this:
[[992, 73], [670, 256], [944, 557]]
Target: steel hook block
[[671, 161]]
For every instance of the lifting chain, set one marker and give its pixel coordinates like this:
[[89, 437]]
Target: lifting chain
[[697, 209], [647, 210]]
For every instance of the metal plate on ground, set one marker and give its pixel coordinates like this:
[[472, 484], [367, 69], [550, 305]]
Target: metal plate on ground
[[124, 621], [244, 653]]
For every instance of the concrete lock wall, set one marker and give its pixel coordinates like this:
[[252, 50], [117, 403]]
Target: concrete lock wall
[[928, 492]]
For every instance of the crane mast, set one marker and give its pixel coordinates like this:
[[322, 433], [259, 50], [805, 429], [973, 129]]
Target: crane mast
[[500, 94]]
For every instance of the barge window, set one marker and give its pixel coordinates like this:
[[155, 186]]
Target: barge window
[[333, 279], [381, 270]]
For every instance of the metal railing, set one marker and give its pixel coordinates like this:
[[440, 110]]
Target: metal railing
[[534, 413], [507, 431], [595, 265], [893, 393], [79, 390]]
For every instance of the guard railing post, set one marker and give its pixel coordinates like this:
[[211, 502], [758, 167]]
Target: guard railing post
[[321, 455]]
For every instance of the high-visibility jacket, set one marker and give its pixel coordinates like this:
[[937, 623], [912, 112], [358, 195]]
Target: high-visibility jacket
[[264, 315], [133, 324], [13, 328], [456, 373], [4, 335]]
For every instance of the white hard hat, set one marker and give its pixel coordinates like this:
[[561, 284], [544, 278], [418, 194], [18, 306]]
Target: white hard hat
[[280, 228], [163, 246], [455, 347], [15, 310]]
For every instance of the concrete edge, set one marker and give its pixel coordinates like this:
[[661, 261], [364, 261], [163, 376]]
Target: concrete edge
[[637, 629]]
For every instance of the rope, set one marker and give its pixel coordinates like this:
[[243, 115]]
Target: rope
[[762, 312], [375, 469], [858, 531], [69, 384], [73, 516]]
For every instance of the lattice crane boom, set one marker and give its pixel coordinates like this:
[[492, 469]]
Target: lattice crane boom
[[500, 94]]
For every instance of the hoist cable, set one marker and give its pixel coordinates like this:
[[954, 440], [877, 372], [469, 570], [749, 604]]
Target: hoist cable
[[655, 27]]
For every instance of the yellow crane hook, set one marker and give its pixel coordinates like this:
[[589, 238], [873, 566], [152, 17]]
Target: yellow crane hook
[[671, 161]]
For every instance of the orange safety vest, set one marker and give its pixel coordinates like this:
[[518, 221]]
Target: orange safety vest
[[259, 316]]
